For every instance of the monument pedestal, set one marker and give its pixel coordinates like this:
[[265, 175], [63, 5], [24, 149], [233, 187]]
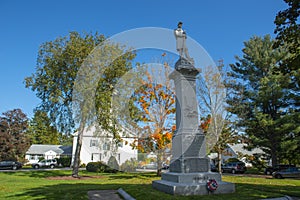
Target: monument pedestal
[[190, 167], [191, 184]]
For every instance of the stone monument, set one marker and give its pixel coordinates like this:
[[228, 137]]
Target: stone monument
[[189, 172]]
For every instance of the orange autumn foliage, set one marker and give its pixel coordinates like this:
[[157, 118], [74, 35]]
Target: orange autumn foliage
[[156, 103], [204, 125]]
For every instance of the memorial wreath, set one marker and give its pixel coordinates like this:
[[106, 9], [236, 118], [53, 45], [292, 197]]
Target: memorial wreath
[[212, 185]]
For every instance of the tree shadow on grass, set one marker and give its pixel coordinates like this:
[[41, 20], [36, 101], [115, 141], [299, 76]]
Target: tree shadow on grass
[[133, 175], [267, 191], [62, 191], [40, 173], [146, 192]]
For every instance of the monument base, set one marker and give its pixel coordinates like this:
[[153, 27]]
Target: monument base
[[191, 184]]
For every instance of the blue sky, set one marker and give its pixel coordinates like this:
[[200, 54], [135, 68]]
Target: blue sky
[[219, 26]]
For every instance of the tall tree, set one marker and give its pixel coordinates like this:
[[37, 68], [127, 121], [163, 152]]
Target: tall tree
[[57, 65], [211, 94], [13, 141], [156, 103], [212, 98], [68, 71], [259, 94], [288, 33], [41, 131]]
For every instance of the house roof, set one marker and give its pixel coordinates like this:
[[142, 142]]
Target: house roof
[[240, 148], [42, 148]]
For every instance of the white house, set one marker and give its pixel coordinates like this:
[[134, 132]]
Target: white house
[[37, 151], [97, 146], [237, 151]]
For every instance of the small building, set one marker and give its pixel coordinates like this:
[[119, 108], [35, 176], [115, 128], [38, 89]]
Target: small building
[[97, 145], [37, 151], [237, 151]]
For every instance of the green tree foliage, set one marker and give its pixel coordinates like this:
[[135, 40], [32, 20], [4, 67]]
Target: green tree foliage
[[65, 139], [260, 96], [13, 140], [291, 141], [57, 65], [68, 71], [288, 33], [41, 131], [108, 116], [129, 165]]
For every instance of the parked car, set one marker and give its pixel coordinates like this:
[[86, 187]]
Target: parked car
[[165, 166], [234, 167], [269, 170], [10, 165], [45, 163], [291, 172], [213, 168], [150, 166]]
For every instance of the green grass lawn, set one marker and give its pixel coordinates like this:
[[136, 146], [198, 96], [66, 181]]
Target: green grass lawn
[[36, 185]]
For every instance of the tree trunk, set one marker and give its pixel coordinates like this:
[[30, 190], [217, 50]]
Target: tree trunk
[[220, 162], [76, 164], [274, 157], [159, 163]]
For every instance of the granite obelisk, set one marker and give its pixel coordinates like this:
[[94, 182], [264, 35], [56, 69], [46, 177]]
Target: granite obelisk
[[189, 171]]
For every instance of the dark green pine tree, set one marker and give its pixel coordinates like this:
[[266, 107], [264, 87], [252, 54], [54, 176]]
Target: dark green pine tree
[[288, 33], [260, 96], [41, 131]]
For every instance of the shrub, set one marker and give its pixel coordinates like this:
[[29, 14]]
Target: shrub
[[83, 165], [113, 163], [93, 166], [64, 161], [99, 167], [142, 156], [129, 165], [232, 160]]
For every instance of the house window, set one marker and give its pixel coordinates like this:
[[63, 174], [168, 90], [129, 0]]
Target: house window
[[106, 146], [119, 157], [93, 143]]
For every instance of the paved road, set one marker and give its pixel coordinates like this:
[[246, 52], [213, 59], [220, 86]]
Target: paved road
[[41, 169], [249, 175]]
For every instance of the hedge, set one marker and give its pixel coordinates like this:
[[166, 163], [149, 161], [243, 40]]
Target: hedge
[[64, 161], [99, 167]]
